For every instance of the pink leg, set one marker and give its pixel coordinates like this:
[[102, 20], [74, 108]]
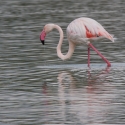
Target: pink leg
[[88, 56], [108, 63]]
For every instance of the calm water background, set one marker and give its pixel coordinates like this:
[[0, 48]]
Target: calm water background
[[36, 87]]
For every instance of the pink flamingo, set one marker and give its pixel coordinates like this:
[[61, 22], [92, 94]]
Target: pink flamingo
[[80, 31]]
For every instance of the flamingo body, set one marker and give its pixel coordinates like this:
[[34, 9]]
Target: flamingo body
[[84, 29], [80, 31]]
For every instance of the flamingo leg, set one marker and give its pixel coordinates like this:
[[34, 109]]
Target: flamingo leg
[[88, 56], [108, 63]]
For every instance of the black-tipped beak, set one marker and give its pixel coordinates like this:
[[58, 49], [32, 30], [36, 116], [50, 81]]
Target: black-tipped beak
[[42, 37], [42, 41]]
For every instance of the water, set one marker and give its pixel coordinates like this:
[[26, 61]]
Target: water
[[36, 87]]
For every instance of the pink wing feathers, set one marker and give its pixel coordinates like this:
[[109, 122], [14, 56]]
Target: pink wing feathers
[[87, 28]]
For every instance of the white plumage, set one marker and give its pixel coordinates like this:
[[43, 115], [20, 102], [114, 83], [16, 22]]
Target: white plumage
[[86, 29]]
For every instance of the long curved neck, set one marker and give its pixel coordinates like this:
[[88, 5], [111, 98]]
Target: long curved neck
[[71, 45]]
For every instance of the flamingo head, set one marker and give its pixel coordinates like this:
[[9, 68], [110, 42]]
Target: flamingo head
[[47, 28]]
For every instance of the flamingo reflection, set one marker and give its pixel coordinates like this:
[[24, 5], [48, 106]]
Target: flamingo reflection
[[89, 101]]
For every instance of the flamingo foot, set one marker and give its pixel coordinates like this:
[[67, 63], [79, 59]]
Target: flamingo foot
[[90, 45]]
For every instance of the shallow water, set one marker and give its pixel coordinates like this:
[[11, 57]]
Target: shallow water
[[36, 87]]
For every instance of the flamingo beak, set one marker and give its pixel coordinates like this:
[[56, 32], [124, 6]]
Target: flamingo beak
[[42, 41], [42, 37]]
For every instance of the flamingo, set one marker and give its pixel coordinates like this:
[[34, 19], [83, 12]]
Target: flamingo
[[80, 31]]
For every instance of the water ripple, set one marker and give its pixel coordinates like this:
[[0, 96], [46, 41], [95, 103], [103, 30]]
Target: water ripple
[[36, 87]]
